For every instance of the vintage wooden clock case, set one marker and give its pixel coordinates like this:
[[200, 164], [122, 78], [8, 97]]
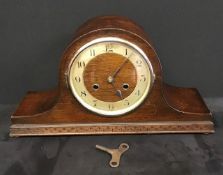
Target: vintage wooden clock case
[[110, 82]]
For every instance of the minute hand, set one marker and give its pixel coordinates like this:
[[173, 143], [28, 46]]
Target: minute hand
[[120, 67]]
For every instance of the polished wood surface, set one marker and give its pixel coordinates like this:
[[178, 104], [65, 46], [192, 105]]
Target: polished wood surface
[[100, 68], [167, 109]]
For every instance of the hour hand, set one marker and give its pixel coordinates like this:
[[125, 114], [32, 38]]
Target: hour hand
[[119, 93]]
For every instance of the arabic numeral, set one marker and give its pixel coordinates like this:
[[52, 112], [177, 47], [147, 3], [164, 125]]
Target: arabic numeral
[[92, 52], [95, 103], [108, 48], [126, 51], [83, 94], [80, 64], [139, 63], [126, 103], [143, 78], [110, 106], [77, 79], [138, 93]]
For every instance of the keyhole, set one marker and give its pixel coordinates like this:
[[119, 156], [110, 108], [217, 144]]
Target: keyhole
[[95, 86], [125, 86]]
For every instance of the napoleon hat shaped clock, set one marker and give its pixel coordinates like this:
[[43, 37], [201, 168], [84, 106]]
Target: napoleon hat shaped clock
[[110, 82]]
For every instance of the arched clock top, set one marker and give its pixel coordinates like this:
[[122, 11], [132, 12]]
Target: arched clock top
[[110, 82], [110, 27]]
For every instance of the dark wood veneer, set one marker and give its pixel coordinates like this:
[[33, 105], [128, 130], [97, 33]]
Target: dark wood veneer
[[167, 109]]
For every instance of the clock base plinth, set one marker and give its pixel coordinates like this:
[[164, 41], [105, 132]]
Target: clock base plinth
[[112, 128], [40, 114]]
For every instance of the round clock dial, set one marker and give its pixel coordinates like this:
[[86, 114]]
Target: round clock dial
[[110, 76]]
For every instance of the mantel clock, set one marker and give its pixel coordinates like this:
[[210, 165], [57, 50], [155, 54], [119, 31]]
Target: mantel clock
[[110, 82]]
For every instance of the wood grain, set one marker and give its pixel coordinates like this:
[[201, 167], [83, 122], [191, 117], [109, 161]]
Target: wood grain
[[164, 104], [100, 68]]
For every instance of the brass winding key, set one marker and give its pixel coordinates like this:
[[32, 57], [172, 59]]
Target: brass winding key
[[115, 153]]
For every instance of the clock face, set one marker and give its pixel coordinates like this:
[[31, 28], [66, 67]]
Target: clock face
[[110, 76]]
